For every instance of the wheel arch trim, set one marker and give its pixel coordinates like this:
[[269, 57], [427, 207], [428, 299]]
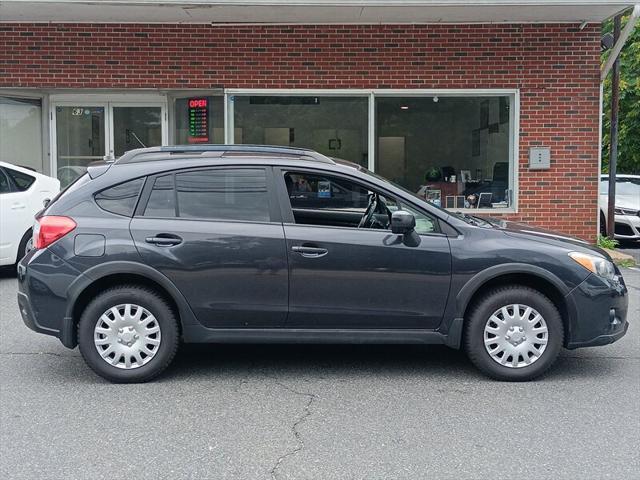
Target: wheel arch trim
[[472, 286], [99, 272]]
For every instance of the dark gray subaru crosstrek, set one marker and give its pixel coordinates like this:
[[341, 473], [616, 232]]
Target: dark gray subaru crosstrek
[[268, 244]]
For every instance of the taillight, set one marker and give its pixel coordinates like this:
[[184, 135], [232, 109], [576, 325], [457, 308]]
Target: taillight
[[48, 229]]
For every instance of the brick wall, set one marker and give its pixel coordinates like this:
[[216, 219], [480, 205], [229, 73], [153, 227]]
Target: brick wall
[[556, 68]]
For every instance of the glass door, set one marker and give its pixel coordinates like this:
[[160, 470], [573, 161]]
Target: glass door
[[96, 128], [135, 127], [80, 139]]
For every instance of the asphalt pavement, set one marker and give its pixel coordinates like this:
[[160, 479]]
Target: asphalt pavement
[[631, 248], [316, 412]]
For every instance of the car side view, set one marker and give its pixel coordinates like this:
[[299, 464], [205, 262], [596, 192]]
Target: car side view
[[230, 243]]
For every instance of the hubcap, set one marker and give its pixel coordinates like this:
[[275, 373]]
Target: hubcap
[[516, 336], [127, 336]]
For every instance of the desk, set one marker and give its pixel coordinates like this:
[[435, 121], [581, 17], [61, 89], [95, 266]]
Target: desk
[[446, 188]]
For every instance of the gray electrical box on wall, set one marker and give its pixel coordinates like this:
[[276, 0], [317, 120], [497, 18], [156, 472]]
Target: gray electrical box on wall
[[539, 158]]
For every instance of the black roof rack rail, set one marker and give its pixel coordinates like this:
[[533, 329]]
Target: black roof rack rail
[[151, 153]]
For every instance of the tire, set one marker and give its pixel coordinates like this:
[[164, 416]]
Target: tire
[[511, 365], [24, 243], [156, 316], [603, 225]]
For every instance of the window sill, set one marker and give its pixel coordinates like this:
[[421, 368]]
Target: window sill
[[484, 211]]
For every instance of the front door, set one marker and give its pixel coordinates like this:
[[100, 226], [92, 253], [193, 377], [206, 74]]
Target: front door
[[211, 232], [342, 276], [89, 129]]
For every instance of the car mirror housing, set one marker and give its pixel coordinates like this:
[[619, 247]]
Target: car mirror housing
[[402, 222]]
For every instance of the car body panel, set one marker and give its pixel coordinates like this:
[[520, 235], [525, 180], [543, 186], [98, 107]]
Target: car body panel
[[627, 224], [17, 209], [367, 279], [233, 274]]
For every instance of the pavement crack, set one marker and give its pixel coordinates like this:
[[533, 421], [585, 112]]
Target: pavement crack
[[311, 397], [61, 355]]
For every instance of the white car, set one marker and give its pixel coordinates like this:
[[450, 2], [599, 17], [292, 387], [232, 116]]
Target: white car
[[22, 195], [627, 206]]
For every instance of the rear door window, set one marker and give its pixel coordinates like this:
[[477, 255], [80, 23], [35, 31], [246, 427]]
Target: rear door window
[[217, 194], [234, 194], [22, 181], [120, 199]]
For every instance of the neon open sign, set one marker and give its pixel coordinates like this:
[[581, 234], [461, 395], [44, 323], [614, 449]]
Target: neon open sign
[[198, 112]]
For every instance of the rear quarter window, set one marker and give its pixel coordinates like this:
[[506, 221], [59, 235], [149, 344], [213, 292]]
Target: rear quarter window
[[4, 183], [120, 199], [22, 181]]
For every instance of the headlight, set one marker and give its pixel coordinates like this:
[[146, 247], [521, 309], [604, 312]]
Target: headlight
[[625, 211], [595, 264]]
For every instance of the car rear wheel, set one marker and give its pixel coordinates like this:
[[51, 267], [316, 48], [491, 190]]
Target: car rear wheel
[[25, 245], [513, 333], [128, 334]]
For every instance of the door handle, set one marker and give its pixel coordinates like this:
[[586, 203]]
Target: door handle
[[164, 240], [310, 252], [18, 206]]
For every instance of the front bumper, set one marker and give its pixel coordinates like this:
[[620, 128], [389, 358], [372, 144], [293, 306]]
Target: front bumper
[[600, 312], [627, 227]]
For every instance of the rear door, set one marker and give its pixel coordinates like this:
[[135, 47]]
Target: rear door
[[343, 276], [15, 211], [216, 234]]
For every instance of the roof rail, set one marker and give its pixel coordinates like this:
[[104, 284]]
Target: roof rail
[[138, 155]]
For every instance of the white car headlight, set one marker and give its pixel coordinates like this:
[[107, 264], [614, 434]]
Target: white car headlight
[[595, 264], [625, 211]]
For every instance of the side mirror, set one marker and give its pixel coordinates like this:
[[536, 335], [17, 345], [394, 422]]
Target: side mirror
[[46, 202], [402, 222]]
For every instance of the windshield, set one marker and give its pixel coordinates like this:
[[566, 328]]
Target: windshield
[[624, 186]]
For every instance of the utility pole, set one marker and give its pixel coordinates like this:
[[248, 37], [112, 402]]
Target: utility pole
[[613, 147]]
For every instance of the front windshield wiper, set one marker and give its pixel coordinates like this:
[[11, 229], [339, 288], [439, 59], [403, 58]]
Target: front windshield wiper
[[473, 220]]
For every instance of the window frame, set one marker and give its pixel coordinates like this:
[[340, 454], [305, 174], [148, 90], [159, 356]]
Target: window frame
[[287, 211], [372, 94], [274, 211], [137, 200], [18, 94], [12, 181], [9, 184]]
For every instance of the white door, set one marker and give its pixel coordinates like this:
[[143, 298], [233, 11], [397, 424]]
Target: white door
[[14, 214]]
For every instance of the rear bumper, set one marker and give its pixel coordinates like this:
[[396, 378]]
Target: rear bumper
[[600, 312], [43, 280]]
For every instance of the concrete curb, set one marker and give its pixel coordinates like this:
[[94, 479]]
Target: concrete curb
[[619, 257]]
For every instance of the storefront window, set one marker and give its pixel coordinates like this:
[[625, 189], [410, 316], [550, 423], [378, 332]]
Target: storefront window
[[21, 132], [199, 119], [454, 151], [334, 126]]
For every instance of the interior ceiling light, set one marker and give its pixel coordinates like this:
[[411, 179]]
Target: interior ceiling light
[[404, 107]]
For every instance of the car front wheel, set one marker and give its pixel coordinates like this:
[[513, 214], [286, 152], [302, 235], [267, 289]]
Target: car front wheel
[[513, 333], [128, 334]]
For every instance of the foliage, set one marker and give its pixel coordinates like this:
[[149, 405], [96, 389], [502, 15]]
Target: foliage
[[606, 242], [626, 263], [629, 112]]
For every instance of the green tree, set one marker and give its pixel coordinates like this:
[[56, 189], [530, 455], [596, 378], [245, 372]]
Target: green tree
[[629, 112]]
